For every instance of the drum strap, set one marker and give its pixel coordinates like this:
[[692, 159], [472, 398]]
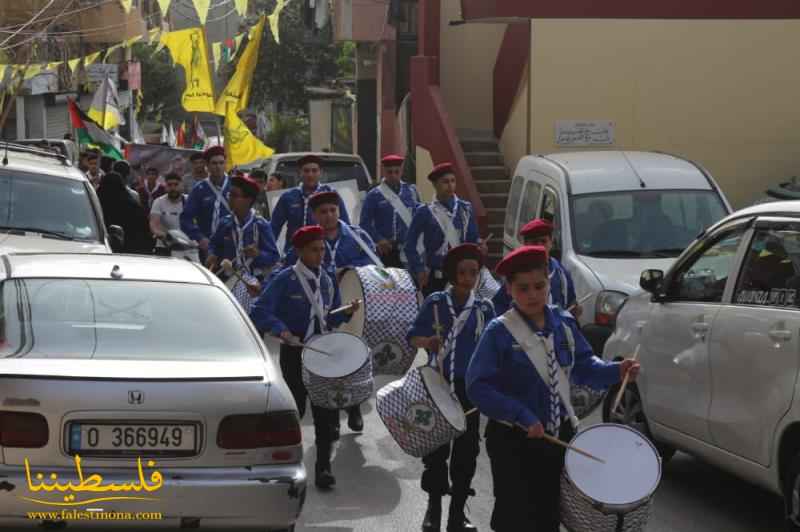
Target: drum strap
[[445, 219], [220, 201], [452, 337], [563, 279], [343, 227], [314, 298], [535, 349], [400, 208]]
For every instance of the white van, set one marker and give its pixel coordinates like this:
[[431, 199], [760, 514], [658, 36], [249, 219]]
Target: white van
[[616, 213]]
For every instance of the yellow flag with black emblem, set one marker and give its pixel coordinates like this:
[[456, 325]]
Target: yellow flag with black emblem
[[241, 146], [188, 49], [237, 92]]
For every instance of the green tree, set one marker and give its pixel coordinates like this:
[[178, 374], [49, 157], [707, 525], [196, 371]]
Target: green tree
[[162, 84]]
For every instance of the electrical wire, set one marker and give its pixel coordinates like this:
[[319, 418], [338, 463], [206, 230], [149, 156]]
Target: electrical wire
[[31, 21], [9, 29]]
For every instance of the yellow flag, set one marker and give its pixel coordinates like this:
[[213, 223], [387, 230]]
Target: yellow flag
[[127, 4], [130, 42], [32, 71], [274, 19], [238, 42], [202, 7], [91, 58], [241, 7], [188, 49], [164, 6], [53, 66], [3, 69], [216, 49], [237, 93], [241, 146], [73, 64]]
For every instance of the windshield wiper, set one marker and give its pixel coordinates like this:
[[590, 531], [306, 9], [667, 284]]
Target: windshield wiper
[[667, 252], [54, 234], [614, 253]]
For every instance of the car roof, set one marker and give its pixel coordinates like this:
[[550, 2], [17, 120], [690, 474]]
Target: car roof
[[789, 208], [32, 160], [605, 171], [293, 156], [100, 265]]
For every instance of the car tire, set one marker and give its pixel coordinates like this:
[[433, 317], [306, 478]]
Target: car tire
[[631, 414], [791, 478]]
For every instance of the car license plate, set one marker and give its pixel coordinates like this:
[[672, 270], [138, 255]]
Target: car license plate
[[143, 438]]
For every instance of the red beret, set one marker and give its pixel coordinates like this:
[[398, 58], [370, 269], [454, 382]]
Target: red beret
[[392, 160], [247, 184], [310, 158], [459, 253], [439, 170], [535, 228], [307, 234], [213, 151], [321, 198], [522, 259]]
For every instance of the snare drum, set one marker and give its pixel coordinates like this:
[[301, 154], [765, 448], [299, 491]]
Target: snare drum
[[389, 308], [615, 496], [239, 289], [420, 411], [342, 378]]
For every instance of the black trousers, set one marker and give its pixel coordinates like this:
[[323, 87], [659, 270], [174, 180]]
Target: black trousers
[[526, 474], [463, 455], [162, 252], [291, 366], [434, 284]]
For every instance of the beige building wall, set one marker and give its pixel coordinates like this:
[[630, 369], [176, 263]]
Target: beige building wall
[[514, 140], [424, 166], [468, 53], [722, 93], [319, 112]]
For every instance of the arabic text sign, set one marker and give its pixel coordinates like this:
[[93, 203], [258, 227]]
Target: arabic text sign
[[584, 133]]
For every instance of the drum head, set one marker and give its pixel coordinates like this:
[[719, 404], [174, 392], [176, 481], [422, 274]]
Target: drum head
[[348, 354], [350, 289], [439, 392], [632, 470]]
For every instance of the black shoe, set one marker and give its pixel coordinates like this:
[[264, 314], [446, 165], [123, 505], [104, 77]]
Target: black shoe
[[433, 516], [354, 419], [459, 524], [324, 478]]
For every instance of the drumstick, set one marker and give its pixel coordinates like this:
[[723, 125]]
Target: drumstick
[[581, 301], [624, 382], [306, 346], [556, 441], [471, 411], [227, 267], [342, 309]]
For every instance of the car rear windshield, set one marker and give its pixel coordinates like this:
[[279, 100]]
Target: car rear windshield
[[332, 171], [118, 319], [647, 223], [46, 204]]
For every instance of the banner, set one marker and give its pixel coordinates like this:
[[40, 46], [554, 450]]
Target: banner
[[241, 146], [188, 49], [166, 159], [236, 95]]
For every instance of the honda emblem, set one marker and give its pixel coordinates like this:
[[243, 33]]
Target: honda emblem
[[135, 397]]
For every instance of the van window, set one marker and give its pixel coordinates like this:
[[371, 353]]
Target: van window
[[332, 172], [513, 206], [552, 212], [530, 203]]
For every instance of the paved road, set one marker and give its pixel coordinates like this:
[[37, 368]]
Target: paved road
[[378, 490]]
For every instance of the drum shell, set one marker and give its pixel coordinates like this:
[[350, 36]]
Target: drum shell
[[386, 316], [339, 392], [394, 404], [579, 513]]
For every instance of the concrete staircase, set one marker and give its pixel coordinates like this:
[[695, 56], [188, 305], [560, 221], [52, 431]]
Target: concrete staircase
[[492, 179]]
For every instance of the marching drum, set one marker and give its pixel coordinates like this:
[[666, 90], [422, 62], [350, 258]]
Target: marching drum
[[343, 377], [615, 496], [420, 411], [388, 310], [487, 286], [239, 289]]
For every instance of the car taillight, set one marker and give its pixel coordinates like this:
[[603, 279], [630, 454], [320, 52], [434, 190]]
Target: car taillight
[[23, 429], [250, 431]]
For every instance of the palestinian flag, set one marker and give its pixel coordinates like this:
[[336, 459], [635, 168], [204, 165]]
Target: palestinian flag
[[88, 133]]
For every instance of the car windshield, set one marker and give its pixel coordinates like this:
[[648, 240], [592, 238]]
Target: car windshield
[[123, 320], [646, 223], [47, 204], [332, 172]]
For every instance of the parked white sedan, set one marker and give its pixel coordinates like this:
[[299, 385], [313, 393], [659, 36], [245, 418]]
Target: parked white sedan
[[137, 386], [719, 340]]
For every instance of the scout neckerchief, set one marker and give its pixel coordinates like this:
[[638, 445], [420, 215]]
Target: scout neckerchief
[[458, 323], [400, 209], [220, 201], [539, 351], [345, 230], [238, 238], [305, 198], [446, 221], [314, 297], [563, 283]]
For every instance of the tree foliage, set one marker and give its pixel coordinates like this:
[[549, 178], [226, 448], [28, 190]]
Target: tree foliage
[[162, 85]]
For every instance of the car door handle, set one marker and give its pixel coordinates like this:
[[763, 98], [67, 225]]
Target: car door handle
[[780, 335], [700, 327]]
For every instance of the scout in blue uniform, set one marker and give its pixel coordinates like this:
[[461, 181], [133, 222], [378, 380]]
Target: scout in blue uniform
[[292, 208], [207, 203], [440, 225], [244, 237], [387, 211], [539, 232], [462, 317], [519, 375], [285, 310]]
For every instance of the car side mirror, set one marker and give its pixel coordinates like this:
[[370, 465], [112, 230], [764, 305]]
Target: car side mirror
[[652, 281], [116, 236]]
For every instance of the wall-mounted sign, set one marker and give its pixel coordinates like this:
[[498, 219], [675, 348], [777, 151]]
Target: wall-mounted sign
[[584, 132], [97, 72]]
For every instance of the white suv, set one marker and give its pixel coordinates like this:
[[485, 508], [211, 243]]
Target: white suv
[[719, 341], [48, 205]]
